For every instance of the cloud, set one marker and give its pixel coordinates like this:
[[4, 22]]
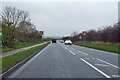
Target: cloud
[[62, 18]]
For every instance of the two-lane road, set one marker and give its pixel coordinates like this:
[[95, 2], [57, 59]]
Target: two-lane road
[[69, 61]]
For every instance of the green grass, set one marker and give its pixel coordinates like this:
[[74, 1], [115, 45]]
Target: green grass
[[7, 49], [9, 61], [19, 45], [111, 47]]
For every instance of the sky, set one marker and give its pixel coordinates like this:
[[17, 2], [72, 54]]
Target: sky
[[63, 18]]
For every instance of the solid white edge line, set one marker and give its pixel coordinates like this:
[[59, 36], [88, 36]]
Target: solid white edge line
[[104, 74], [108, 63], [27, 63], [25, 59], [72, 52]]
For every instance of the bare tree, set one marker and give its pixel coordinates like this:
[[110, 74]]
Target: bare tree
[[11, 17], [14, 16]]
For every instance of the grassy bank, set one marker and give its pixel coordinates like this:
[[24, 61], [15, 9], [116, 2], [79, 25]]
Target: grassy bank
[[9, 61], [111, 47], [19, 45]]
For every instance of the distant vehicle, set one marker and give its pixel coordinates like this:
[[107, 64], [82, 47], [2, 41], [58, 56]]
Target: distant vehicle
[[53, 40], [68, 42], [61, 41]]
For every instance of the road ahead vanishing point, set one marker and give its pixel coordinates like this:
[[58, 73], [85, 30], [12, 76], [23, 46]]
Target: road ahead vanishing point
[[70, 61]]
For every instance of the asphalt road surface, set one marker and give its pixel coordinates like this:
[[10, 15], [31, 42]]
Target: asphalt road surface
[[70, 61]]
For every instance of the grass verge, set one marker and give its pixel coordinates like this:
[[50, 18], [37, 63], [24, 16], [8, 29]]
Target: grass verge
[[20, 45], [10, 61], [111, 47]]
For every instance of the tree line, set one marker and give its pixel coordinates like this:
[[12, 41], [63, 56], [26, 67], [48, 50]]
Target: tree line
[[17, 27], [105, 34]]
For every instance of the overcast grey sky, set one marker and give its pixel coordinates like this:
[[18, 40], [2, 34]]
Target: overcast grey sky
[[62, 18]]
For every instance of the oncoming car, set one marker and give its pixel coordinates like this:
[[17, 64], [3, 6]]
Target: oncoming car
[[68, 42]]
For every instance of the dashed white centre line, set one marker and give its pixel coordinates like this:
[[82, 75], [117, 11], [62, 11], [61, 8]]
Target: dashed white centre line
[[72, 52], [104, 74]]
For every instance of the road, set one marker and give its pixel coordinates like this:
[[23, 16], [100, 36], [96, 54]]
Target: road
[[70, 61]]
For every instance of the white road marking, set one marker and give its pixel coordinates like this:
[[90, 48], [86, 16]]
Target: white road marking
[[82, 52], [65, 48], [73, 49], [101, 51], [108, 63], [72, 52], [102, 65], [115, 75], [86, 58], [26, 64], [24, 60], [104, 74]]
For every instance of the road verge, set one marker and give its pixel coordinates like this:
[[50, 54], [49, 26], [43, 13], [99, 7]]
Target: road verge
[[13, 62], [111, 47]]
